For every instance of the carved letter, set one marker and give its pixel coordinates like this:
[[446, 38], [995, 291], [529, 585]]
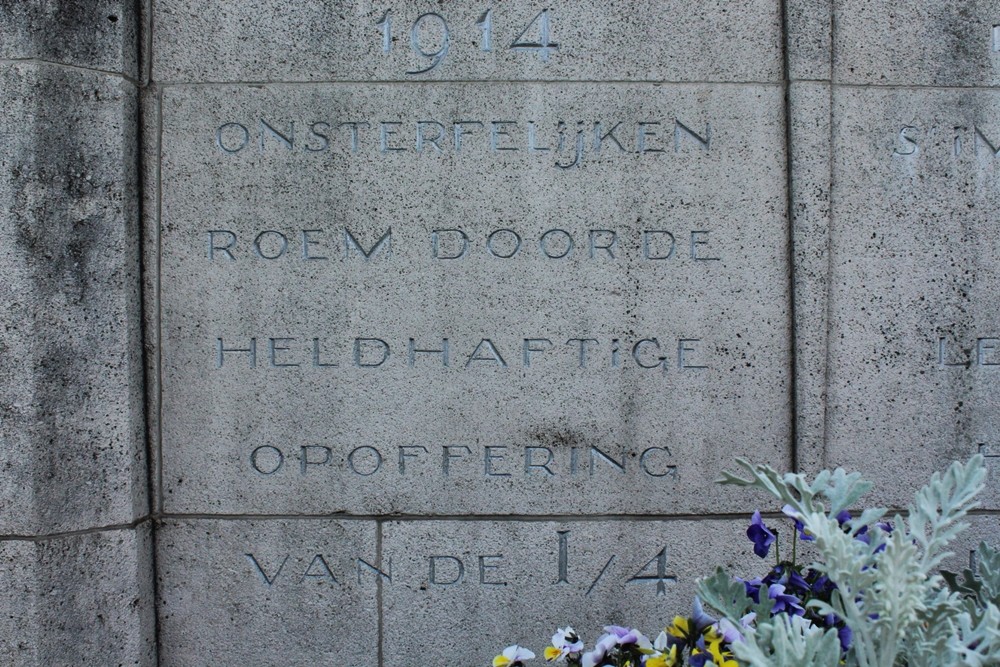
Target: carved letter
[[351, 243], [267, 580], [324, 573], [226, 248], [491, 349], [250, 351], [304, 456], [255, 455], [436, 245], [242, 142], [358, 342], [377, 458], [433, 574], [266, 129]]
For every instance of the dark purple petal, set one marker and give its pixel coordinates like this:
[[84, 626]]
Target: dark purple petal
[[846, 636], [752, 587], [760, 535], [784, 602], [798, 583]]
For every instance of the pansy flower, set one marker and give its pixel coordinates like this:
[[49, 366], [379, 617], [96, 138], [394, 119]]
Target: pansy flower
[[595, 658], [663, 653], [513, 656], [784, 602], [729, 632], [711, 649], [760, 535], [564, 642]]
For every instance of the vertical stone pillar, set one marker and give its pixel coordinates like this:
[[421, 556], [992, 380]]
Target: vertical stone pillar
[[74, 538], [808, 34]]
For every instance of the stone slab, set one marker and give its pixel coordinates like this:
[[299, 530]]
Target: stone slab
[[887, 42], [97, 34], [485, 585], [71, 403], [270, 40], [268, 593], [914, 297], [78, 600], [520, 419]]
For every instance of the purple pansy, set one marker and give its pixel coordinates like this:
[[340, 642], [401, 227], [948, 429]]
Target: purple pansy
[[784, 602]]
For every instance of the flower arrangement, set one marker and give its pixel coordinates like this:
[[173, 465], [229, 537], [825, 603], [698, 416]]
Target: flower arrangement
[[873, 595]]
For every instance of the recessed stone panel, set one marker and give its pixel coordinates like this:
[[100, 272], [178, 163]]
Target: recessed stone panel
[[915, 332], [471, 299], [268, 593], [486, 585], [425, 40]]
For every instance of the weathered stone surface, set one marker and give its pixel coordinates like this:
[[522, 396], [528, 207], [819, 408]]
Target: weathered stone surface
[[915, 298], [78, 600], [98, 34], [269, 593], [917, 43], [809, 105], [648, 41], [472, 435], [71, 418], [809, 26], [492, 583]]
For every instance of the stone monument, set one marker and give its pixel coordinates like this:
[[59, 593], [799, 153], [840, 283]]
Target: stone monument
[[391, 333]]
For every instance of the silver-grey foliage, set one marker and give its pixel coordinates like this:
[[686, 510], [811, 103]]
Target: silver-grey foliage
[[889, 591]]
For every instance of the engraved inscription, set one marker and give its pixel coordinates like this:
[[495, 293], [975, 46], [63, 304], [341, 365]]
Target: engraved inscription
[[313, 567], [655, 571], [453, 570], [430, 37], [459, 460], [446, 244], [318, 352], [564, 142]]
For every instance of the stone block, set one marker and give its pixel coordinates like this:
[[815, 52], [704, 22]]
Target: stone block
[[71, 402], [914, 327], [78, 600], [484, 585], [268, 593], [360, 40], [507, 321], [96, 34], [887, 42]]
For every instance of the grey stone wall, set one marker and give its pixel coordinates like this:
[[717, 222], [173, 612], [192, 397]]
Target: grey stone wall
[[452, 312], [75, 536]]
